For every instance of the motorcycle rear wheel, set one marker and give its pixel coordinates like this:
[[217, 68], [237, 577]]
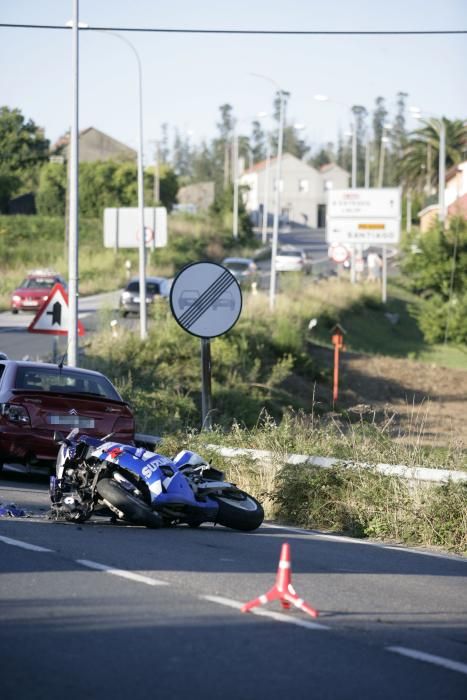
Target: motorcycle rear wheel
[[239, 511], [133, 508]]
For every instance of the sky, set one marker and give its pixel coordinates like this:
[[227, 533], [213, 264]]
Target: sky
[[186, 77]]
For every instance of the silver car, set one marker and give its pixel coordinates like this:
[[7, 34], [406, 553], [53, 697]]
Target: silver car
[[155, 287], [290, 259]]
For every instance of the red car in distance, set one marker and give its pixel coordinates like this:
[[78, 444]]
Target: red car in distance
[[34, 290], [36, 399]]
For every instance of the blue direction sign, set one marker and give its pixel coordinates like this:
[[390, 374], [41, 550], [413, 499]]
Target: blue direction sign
[[206, 299]]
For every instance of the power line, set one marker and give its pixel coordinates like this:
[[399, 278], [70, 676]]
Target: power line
[[282, 32]]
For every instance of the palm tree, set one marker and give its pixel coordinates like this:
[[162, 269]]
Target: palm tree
[[419, 165]]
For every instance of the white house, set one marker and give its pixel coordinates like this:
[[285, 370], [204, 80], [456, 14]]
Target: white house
[[302, 190]]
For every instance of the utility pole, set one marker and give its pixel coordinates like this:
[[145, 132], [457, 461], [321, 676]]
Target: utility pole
[[74, 212], [442, 170], [157, 175]]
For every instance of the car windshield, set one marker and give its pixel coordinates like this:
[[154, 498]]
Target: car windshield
[[290, 253], [151, 287], [64, 380], [237, 266], [38, 282]]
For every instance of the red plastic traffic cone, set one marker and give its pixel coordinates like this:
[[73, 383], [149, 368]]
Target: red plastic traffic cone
[[282, 589]]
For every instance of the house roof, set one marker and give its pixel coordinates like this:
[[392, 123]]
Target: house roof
[[64, 140], [257, 167], [332, 166], [431, 208]]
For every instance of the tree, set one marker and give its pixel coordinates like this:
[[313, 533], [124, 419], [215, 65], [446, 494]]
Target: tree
[[182, 156], [258, 143], [360, 115], [23, 150], [51, 193], [435, 267], [420, 158], [222, 145]]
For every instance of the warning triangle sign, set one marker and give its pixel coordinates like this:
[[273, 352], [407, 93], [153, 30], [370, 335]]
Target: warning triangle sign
[[52, 317]]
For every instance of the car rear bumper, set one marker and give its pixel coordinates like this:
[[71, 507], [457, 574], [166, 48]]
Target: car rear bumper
[[21, 444]]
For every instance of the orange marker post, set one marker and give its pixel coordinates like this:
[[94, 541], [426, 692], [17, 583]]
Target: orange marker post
[[337, 339]]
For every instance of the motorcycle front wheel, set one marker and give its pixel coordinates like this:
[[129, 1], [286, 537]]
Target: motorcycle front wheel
[[133, 508], [239, 511]]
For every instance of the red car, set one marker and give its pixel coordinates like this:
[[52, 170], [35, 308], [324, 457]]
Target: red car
[[34, 290], [36, 399]]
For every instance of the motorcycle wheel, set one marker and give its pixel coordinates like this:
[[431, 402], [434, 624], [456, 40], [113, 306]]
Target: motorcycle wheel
[[239, 511], [135, 510]]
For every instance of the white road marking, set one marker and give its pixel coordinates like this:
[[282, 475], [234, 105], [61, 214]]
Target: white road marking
[[25, 545], [430, 658], [355, 540], [121, 572], [279, 617]]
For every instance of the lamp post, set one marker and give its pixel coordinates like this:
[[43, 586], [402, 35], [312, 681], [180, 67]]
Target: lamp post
[[384, 141], [275, 225], [74, 195], [142, 239], [353, 134], [235, 184], [264, 233], [441, 129]]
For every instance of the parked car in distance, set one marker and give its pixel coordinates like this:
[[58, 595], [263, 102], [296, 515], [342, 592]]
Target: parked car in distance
[[155, 287], [34, 290], [36, 399], [291, 259], [244, 270]]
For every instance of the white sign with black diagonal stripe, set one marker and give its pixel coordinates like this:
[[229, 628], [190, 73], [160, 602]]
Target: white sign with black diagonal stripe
[[206, 299]]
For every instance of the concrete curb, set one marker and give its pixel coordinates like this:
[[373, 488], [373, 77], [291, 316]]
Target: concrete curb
[[440, 476]]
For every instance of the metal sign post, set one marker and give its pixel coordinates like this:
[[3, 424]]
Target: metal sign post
[[206, 301], [206, 402]]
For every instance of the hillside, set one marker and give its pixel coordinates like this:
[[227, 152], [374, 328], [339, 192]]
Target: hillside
[[426, 402]]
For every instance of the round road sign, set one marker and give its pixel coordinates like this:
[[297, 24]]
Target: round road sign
[[205, 299], [338, 253]]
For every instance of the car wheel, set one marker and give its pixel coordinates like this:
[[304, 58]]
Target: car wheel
[[14, 311]]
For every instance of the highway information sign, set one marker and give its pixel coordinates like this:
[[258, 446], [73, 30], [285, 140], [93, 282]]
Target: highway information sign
[[364, 216], [206, 299], [121, 227]]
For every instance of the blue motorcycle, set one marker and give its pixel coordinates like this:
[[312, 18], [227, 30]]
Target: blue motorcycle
[[141, 487]]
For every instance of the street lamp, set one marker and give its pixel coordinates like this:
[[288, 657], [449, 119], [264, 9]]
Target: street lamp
[[441, 129], [74, 193], [384, 141], [353, 133], [142, 238], [275, 226]]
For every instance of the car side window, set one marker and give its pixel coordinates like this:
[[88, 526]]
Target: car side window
[[2, 369]]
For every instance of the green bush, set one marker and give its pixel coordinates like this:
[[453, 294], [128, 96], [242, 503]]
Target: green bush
[[363, 503]]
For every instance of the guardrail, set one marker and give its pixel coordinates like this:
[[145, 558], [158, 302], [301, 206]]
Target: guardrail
[[432, 475]]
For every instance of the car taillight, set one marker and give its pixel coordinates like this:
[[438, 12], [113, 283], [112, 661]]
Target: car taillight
[[15, 413]]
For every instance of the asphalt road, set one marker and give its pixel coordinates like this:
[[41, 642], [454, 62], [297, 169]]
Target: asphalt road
[[101, 610], [19, 344]]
